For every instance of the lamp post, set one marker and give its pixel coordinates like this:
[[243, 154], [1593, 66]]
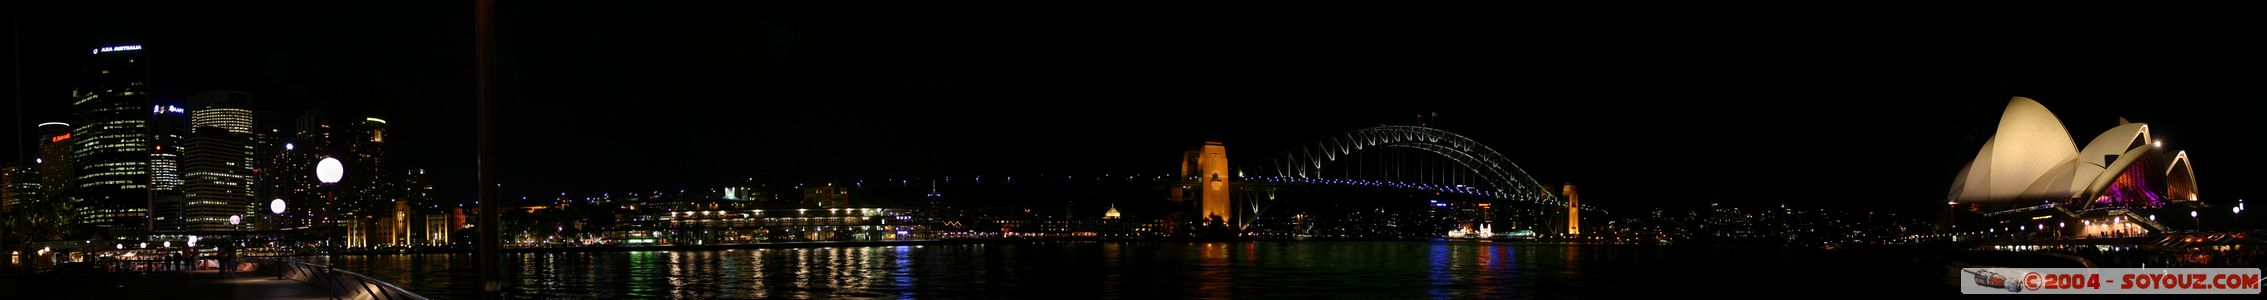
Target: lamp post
[[329, 171], [2199, 220]]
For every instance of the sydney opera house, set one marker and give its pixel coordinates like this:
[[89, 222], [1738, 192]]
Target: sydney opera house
[[2031, 179]]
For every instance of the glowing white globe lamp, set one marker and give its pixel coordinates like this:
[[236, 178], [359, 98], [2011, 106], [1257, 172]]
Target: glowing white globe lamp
[[329, 170]]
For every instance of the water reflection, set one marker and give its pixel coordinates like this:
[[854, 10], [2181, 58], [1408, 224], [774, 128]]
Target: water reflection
[[1437, 260], [1212, 279], [901, 271], [756, 271], [1111, 270], [1488, 262], [676, 275], [1084, 270]]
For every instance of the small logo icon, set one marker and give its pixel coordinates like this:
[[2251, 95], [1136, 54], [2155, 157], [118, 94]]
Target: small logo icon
[[1987, 278]]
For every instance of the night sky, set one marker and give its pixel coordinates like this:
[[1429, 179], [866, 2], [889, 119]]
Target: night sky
[[1863, 106]]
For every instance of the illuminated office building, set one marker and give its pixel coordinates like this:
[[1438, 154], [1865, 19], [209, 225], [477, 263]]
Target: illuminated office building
[[220, 161], [55, 167], [111, 147]]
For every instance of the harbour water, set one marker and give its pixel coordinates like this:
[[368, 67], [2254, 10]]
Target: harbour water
[[1151, 270]]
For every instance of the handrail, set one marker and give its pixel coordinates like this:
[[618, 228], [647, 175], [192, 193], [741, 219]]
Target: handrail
[[120, 266], [2019, 210], [341, 284]]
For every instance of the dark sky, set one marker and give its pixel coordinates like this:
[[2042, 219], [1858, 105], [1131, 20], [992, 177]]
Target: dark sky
[[1841, 105]]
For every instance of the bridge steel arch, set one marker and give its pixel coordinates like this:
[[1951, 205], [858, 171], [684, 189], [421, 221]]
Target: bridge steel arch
[[1504, 179]]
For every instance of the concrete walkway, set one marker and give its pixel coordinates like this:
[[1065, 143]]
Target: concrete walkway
[[87, 284]]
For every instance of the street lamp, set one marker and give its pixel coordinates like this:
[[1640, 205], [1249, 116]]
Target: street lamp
[[329, 170]]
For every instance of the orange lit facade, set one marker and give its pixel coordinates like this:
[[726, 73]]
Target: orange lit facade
[[1573, 211], [1207, 168]]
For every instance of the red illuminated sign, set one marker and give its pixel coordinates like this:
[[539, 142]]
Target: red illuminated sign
[[59, 138]]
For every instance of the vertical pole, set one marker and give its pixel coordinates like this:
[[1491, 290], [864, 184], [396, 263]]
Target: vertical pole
[[16, 40], [484, 44], [332, 235]]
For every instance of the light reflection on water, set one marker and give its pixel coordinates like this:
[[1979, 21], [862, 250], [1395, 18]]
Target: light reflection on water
[[1080, 270]]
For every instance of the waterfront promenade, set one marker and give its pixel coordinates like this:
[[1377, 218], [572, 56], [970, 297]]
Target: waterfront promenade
[[89, 283]]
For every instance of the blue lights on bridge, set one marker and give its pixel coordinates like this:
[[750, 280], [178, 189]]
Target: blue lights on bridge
[[1459, 189]]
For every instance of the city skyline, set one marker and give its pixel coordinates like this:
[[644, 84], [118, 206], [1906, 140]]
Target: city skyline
[[806, 98], [545, 149]]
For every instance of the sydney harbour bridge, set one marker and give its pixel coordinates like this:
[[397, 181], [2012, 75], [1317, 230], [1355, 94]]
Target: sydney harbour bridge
[[1387, 158], [1411, 177]]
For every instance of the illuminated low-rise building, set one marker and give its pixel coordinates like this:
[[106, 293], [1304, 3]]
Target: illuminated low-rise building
[[19, 184], [727, 226]]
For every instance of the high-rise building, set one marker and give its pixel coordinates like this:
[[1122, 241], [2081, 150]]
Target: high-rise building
[[220, 160], [289, 175], [169, 208], [310, 144], [169, 128], [267, 175], [111, 146], [417, 196], [228, 110], [418, 190], [19, 184], [220, 178], [314, 132], [55, 168], [366, 187]]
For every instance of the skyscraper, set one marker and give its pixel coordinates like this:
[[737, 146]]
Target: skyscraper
[[424, 211], [366, 187], [111, 146], [288, 173], [55, 168], [314, 134], [219, 160], [310, 143], [267, 176], [169, 124], [229, 110]]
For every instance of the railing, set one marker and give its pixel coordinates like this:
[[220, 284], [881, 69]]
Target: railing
[[2145, 222], [340, 284], [2019, 210], [121, 266]]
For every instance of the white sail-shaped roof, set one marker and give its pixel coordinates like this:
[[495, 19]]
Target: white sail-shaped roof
[[2105, 151], [2113, 142], [2030, 157]]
